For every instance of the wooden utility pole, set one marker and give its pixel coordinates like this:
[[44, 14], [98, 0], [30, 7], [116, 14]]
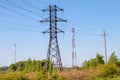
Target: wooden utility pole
[[105, 48]]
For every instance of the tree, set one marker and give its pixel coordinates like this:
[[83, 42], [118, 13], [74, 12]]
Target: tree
[[12, 67], [85, 64], [93, 63], [30, 65], [99, 59], [113, 60]]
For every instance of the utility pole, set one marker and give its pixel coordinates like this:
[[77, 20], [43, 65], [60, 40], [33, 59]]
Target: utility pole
[[74, 61], [53, 53], [105, 48], [15, 52]]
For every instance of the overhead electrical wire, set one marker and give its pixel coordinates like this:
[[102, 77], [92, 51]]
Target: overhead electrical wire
[[18, 23], [88, 28], [30, 4], [18, 13], [90, 33], [22, 8], [9, 15], [69, 21], [113, 43], [16, 29], [78, 31], [77, 26], [86, 32], [84, 27], [43, 1]]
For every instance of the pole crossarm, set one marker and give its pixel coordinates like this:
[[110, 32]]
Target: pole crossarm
[[52, 8], [48, 20]]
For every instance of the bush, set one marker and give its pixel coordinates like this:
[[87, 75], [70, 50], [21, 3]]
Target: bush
[[13, 76], [106, 70], [41, 76]]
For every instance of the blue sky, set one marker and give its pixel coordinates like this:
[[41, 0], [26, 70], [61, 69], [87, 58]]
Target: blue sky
[[88, 17]]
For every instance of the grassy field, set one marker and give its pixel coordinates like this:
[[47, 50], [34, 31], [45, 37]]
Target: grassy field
[[108, 78], [65, 75], [93, 69]]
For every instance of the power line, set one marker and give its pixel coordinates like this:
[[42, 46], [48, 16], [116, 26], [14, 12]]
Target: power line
[[12, 16], [4, 14], [48, 2], [78, 31], [37, 15], [68, 28], [43, 1], [113, 43], [85, 32], [18, 13], [16, 29], [84, 26], [17, 23], [88, 33], [22, 8], [30, 4], [88, 28]]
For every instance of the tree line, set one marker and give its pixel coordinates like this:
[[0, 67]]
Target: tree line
[[101, 68], [28, 66]]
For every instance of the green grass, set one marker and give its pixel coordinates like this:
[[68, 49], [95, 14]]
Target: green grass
[[67, 75], [112, 77]]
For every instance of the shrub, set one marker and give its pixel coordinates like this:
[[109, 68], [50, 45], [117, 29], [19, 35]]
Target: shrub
[[106, 70], [41, 76], [13, 76]]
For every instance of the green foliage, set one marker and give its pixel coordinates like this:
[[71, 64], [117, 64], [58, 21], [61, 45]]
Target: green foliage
[[113, 60], [92, 63], [99, 59], [41, 76], [2, 69], [112, 67], [93, 69], [103, 70], [49, 76], [13, 76], [106, 70], [112, 77], [13, 67], [28, 66]]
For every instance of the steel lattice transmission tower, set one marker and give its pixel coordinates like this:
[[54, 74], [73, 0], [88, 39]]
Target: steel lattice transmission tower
[[74, 60], [53, 53]]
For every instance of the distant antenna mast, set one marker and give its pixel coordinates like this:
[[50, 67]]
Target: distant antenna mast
[[15, 51], [74, 61]]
